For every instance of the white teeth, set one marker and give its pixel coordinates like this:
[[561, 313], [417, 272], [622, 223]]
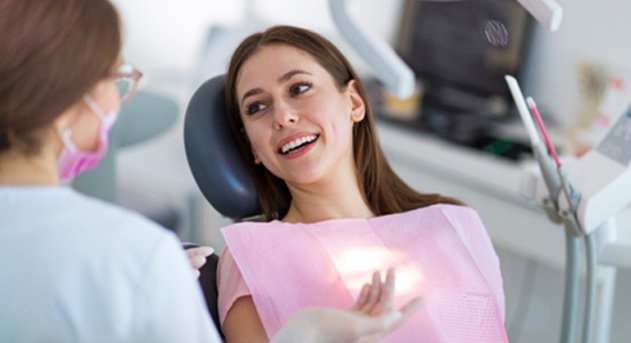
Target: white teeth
[[297, 142]]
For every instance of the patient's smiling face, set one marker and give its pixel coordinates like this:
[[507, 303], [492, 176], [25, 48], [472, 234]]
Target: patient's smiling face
[[298, 121]]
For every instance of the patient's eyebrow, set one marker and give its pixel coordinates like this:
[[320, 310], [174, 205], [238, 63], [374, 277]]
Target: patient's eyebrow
[[285, 77], [251, 92], [288, 75]]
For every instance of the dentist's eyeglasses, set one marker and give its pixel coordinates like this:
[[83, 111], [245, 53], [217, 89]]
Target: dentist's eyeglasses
[[127, 78]]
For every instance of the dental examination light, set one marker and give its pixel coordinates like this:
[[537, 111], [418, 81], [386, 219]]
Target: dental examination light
[[603, 177]]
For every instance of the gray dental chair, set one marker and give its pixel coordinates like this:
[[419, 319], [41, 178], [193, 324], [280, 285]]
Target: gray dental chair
[[218, 169], [213, 156]]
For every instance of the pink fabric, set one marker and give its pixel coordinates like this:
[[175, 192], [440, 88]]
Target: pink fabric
[[230, 282], [441, 252]]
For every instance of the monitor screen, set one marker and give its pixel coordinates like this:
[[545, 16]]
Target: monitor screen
[[461, 50]]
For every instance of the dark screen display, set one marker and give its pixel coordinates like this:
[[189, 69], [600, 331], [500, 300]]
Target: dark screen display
[[466, 45]]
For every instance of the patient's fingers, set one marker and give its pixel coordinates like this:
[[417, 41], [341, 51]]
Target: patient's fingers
[[374, 294], [362, 298], [197, 261], [377, 297], [197, 256], [385, 301], [201, 251], [387, 295]]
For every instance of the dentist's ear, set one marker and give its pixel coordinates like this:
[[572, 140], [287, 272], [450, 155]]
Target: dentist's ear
[[358, 108], [69, 116]]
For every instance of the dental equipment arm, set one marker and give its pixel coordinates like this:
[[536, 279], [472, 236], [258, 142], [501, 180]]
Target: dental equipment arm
[[605, 191], [548, 168], [550, 197], [547, 12], [603, 176], [386, 64]]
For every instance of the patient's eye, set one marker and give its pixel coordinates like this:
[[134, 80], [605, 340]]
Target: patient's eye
[[254, 108], [299, 88]]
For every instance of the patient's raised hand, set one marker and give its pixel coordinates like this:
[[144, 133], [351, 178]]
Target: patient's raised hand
[[197, 257], [372, 317], [376, 297]]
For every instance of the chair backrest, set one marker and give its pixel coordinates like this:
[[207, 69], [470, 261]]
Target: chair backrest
[[213, 155]]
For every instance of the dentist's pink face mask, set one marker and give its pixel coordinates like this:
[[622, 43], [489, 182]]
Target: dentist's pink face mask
[[73, 161]]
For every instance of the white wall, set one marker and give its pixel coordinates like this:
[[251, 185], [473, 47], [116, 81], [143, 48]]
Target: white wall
[[168, 35], [598, 31], [165, 35]]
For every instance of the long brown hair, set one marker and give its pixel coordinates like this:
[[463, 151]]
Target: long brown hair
[[382, 189], [52, 52]]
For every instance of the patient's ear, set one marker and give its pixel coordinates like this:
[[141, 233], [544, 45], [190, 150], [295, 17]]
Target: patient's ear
[[358, 107], [245, 136], [256, 157]]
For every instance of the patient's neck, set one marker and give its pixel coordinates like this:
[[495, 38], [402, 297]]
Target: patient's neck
[[314, 204]]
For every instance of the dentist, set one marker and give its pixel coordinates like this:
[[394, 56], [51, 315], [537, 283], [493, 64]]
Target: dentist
[[76, 269]]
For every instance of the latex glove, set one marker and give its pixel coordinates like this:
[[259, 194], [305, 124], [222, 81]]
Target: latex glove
[[197, 257], [369, 319]]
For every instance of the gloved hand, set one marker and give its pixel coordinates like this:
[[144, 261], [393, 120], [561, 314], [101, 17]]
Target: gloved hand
[[371, 317], [197, 257]]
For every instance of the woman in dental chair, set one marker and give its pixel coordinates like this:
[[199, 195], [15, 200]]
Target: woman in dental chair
[[335, 209]]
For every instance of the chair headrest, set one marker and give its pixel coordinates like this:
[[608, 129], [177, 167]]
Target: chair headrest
[[213, 154]]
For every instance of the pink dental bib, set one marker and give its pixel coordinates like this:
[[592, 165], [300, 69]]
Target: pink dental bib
[[440, 252]]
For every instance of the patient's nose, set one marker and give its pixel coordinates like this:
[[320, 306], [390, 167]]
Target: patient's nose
[[284, 115]]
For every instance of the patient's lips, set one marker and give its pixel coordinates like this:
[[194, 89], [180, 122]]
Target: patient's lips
[[297, 145]]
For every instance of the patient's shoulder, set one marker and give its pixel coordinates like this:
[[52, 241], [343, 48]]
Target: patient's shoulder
[[230, 283]]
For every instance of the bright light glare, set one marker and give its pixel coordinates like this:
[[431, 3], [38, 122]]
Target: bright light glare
[[356, 266]]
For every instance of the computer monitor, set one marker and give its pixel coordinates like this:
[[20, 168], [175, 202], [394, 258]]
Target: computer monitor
[[461, 50]]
